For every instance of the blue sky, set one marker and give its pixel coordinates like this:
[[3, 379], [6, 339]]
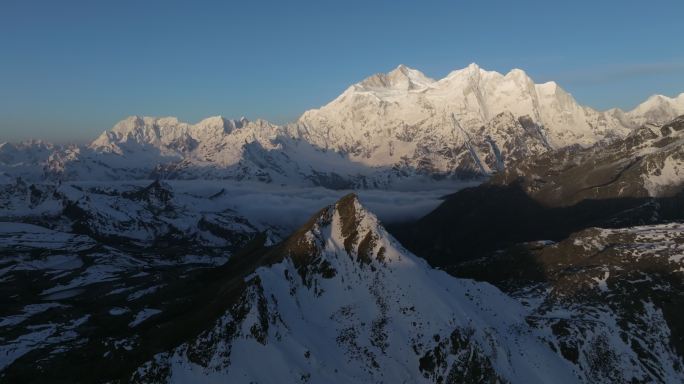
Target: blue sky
[[71, 69]]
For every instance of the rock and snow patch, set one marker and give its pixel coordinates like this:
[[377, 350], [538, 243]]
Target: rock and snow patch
[[669, 174], [143, 315]]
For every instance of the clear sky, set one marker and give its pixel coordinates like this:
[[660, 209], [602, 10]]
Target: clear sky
[[71, 69]]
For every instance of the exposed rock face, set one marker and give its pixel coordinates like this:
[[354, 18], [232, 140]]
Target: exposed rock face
[[647, 163], [612, 299]]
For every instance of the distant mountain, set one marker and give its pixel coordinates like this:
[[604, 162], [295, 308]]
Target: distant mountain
[[658, 109], [388, 129], [25, 159], [390, 116], [471, 121], [134, 215]]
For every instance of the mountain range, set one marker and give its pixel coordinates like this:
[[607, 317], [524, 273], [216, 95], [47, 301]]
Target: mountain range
[[388, 129]]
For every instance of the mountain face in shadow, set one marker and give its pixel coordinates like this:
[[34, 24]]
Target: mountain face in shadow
[[478, 220], [649, 162], [630, 182], [608, 297], [589, 240]]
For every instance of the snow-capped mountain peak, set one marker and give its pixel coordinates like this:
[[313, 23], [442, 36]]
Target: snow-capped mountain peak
[[380, 314], [220, 124], [436, 128], [401, 78], [471, 70], [657, 109], [166, 133]]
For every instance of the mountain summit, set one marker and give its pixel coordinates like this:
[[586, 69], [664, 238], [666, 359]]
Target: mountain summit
[[342, 301], [401, 78]]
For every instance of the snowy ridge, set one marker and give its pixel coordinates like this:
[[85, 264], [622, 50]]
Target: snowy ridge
[[141, 215], [166, 133], [346, 303], [658, 109]]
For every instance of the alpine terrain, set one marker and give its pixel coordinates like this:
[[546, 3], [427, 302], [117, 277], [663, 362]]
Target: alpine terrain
[[522, 238]]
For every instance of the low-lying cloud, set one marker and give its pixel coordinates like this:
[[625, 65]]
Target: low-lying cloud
[[290, 207]]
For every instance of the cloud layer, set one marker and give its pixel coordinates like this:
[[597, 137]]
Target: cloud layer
[[289, 207]]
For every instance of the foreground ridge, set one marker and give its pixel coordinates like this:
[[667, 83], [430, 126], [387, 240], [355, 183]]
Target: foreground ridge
[[342, 301]]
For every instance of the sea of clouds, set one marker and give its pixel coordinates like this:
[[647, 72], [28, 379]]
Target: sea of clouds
[[290, 207]]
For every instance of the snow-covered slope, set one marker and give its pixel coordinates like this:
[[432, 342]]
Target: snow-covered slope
[[25, 159], [135, 215], [342, 301]]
